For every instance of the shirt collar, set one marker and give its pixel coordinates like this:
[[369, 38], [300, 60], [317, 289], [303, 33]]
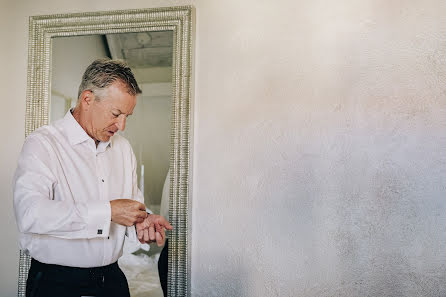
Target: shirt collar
[[76, 134]]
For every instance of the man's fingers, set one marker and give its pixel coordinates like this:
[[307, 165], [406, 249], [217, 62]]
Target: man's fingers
[[127, 211], [152, 233], [142, 214], [159, 239], [152, 229], [160, 229], [163, 223], [146, 235], [167, 225]]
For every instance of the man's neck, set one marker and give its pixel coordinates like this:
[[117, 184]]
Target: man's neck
[[77, 116]]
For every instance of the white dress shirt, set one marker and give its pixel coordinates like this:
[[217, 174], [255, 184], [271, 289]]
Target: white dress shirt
[[62, 188]]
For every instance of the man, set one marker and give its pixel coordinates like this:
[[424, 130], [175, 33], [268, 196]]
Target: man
[[76, 194]]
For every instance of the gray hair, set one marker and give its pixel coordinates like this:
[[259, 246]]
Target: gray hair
[[103, 72]]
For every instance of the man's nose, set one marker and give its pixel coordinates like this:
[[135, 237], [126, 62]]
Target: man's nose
[[121, 122]]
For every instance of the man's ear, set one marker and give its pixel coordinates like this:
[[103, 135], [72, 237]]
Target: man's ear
[[86, 99]]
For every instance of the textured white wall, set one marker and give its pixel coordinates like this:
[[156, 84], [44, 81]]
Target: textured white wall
[[320, 150], [319, 162]]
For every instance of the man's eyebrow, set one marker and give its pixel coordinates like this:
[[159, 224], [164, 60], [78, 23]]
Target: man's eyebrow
[[120, 112]]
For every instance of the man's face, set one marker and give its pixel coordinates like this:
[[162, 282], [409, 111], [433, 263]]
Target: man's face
[[107, 116]]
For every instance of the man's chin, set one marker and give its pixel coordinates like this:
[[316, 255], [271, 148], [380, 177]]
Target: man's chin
[[105, 138]]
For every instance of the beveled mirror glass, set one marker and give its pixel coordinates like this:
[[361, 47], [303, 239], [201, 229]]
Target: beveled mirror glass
[[157, 44]]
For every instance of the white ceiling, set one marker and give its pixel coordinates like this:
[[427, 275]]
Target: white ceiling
[[148, 53]]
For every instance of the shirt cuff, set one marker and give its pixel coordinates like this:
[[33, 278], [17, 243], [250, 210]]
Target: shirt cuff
[[99, 218], [131, 234]]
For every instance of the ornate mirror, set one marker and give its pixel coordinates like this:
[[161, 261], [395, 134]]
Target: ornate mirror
[[157, 44]]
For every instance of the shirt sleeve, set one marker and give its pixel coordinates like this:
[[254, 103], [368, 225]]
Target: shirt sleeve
[[36, 209]]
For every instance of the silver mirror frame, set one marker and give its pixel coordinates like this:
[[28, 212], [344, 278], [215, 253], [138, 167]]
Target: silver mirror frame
[[178, 19]]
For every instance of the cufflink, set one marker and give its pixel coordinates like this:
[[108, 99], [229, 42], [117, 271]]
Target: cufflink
[[99, 231]]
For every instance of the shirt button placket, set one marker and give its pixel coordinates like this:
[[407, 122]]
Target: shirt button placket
[[101, 186]]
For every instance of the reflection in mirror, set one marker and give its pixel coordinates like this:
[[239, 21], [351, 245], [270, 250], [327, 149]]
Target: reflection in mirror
[[148, 130]]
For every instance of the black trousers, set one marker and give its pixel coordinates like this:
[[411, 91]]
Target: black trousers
[[163, 267], [48, 280]]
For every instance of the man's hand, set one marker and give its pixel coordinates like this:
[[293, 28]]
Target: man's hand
[[152, 229], [127, 212]]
